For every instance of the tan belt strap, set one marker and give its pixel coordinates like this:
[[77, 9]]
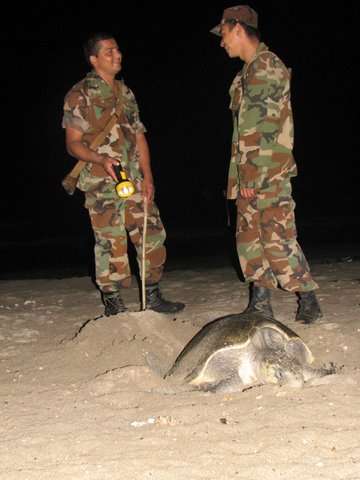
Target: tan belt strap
[[71, 179]]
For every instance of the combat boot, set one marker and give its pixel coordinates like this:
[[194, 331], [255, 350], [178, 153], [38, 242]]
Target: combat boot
[[309, 309], [113, 303], [260, 301], [155, 301]]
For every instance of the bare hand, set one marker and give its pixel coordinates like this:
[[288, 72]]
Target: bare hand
[[247, 192], [108, 163], [148, 190]]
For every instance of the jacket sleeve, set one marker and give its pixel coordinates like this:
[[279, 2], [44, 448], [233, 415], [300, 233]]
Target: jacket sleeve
[[259, 119], [132, 112], [76, 111]]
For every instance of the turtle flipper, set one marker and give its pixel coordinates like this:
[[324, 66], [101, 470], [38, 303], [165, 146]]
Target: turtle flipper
[[298, 350], [155, 364], [229, 384], [311, 373]]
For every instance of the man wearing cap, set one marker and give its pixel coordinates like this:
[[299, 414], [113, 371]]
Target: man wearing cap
[[261, 168]]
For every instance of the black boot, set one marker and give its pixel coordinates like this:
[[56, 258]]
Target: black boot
[[260, 301], [113, 303], [154, 301], [309, 309]]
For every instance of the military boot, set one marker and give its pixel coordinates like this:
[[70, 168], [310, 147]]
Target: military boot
[[113, 303], [155, 301], [260, 301], [309, 309]]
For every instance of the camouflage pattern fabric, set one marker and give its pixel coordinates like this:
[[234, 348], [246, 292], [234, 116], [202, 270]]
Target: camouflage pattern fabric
[[263, 125], [262, 159], [88, 106], [266, 241], [111, 219]]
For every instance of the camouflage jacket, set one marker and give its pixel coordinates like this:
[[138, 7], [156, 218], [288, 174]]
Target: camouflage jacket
[[88, 107], [262, 140]]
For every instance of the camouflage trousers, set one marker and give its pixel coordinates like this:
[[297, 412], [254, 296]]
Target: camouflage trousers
[[112, 218], [266, 242]]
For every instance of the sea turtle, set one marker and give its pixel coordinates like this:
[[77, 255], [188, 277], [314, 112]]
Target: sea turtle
[[245, 349]]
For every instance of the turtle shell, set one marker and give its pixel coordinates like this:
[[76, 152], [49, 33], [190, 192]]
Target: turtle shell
[[227, 341]]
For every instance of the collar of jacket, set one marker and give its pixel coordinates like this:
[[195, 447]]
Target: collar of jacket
[[99, 87], [261, 48]]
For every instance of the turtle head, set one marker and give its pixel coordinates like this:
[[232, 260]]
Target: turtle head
[[281, 371]]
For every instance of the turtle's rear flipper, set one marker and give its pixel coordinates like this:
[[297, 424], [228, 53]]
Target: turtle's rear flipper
[[155, 364]]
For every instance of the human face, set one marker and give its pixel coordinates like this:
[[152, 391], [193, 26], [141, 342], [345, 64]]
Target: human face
[[230, 39], [107, 62]]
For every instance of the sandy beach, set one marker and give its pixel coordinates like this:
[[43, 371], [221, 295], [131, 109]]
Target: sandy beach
[[78, 400]]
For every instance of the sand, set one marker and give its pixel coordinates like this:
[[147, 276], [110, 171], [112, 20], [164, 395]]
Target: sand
[[79, 401]]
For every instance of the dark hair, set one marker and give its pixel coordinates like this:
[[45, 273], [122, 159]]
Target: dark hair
[[250, 31], [91, 46]]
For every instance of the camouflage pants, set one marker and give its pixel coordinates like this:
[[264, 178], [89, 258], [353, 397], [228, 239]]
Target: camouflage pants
[[268, 251], [111, 219]]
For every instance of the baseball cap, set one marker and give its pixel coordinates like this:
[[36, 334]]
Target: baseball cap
[[240, 13]]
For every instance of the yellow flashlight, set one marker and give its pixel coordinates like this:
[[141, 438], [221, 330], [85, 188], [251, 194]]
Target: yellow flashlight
[[125, 187]]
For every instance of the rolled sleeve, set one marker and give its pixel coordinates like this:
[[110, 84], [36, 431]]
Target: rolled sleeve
[[75, 112], [133, 114]]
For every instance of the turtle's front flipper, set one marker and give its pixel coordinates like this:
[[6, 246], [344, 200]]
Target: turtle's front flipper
[[311, 373], [226, 385]]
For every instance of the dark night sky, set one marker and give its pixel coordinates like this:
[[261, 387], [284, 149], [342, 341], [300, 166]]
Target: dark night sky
[[181, 77]]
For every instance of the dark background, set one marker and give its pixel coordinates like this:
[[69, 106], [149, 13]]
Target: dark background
[[180, 76]]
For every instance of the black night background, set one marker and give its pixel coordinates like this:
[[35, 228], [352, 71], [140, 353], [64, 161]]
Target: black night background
[[180, 76]]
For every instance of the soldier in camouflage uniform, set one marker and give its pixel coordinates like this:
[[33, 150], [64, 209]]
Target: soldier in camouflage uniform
[[261, 168], [88, 107]]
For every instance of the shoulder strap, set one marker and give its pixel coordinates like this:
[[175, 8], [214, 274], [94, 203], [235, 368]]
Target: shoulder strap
[[70, 181], [98, 140]]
